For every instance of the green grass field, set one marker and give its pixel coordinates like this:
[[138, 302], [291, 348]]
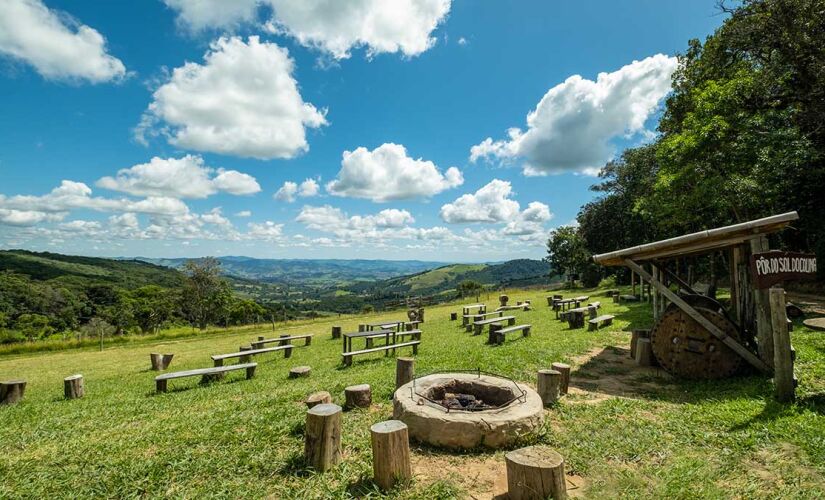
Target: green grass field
[[624, 431]]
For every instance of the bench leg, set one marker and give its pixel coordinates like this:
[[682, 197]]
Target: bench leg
[[511, 321], [527, 332], [415, 348], [347, 360], [477, 329], [288, 352], [469, 327], [609, 322], [592, 326], [256, 345], [250, 372], [369, 343], [160, 385], [308, 341]]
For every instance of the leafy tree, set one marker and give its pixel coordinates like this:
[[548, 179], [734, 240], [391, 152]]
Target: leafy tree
[[205, 295], [566, 252], [152, 306], [34, 326], [97, 328], [469, 288]]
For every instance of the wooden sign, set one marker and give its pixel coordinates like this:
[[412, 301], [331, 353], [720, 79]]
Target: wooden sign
[[770, 268]]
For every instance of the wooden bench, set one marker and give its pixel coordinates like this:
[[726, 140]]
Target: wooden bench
[[243, 356], [282, 340], [603, 320], [475, 317], [386, 325], [628, 298], [465, 310], [209, 374], [347, 356], [575, 317], [497, 334], [524, 306], [413, 325], [478, 326], [413, 334]]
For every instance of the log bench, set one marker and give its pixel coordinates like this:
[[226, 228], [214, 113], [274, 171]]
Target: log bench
[[243, 356], [497, 335], [208, 374], [603, 320], [523, 306], [480, 316], [347, 356], [283, 340], [478, 326]]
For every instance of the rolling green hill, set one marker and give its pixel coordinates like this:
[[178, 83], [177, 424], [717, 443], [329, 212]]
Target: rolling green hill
[[77, 270], [519, 272]]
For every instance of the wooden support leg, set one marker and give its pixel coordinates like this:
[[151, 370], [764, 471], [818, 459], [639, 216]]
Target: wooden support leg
[[322, 443], [250, 372], [288, 352], [160, 385], [244, 359], [390, 453]]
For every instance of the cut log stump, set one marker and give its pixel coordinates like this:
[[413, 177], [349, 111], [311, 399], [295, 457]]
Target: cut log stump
[[636, 335], [548, 386], [11, 391], [299, 371], [160, 361], [318, 398], [453, 316], [73, 387], [535, 472], [322, 439], [390, 453], [644, 352], [358, 396], [564, 369], [336, 332], [404, 371]]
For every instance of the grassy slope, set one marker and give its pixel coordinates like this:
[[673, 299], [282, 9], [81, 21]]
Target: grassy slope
[[433, 278], [244, 438]]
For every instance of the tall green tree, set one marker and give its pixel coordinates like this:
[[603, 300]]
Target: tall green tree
[[205, 296], [566, 253]]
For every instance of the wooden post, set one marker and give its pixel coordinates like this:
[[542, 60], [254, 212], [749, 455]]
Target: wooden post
[[244, 359], [318, 398], [404, 371], [336, 332], [548, 386], [299, 371], [564, 369], [285, 340], [11, 391], [322, 439], [358, 396], [390, 453], [535, 473], [636, 335], [73, 387], [453, 316], [764, 330], [160, 361], [644, 352], [655, 295], [782, 356]]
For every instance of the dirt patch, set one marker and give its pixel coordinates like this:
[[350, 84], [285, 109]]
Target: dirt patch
[[482, 477], [609, 372]]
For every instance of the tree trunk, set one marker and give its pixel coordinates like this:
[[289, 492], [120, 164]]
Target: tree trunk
[[535, 472], [390, 453], [404, 371], [73, 387], [322, 443], [564, 369], [358, 396], [548, 386]]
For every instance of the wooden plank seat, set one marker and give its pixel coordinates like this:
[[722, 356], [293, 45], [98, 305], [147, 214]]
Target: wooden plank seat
[[465, 311], [208, 374], [413, 334], [525, 307], [386, 325], [497, 335], [412, 325], [603, 320], [575, 317], [243, 356], [478, 326], [479, 317], [628, 298], [347, 356], [282, 340]]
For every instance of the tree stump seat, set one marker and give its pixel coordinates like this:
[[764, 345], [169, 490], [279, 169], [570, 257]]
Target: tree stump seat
[[159, 361], [535, 472], [11, 391], [299, 371]]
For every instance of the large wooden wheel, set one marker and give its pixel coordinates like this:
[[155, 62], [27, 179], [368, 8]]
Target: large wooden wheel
[[685, 349]]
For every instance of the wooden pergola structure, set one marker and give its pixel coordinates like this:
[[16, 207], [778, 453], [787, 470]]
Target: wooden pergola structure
[[751, 308]]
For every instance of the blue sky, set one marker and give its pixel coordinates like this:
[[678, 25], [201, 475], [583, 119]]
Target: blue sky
[[398, 113]]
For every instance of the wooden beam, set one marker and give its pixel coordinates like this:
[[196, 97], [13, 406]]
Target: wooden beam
[[693, 313], [783, 360]]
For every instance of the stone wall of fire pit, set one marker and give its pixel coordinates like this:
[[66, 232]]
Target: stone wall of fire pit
[[489, 426]]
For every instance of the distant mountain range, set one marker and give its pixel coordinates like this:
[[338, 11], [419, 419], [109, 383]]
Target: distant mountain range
[[326, 273]]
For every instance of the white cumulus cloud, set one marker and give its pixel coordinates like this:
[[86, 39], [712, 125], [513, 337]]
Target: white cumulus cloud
[[491, 203], [201, 14], [291, 190], [186, 177], [387, 173], [242, 101], [55, 44], [572, 126]]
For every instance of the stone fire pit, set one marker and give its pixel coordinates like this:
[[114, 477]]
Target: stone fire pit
[[464, 410]]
